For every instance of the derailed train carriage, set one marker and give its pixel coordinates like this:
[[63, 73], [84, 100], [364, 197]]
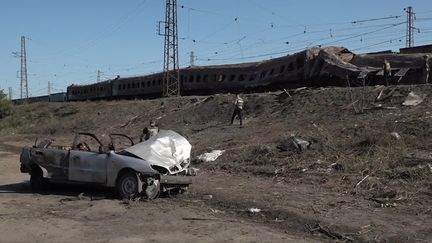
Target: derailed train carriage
[[328, 66]]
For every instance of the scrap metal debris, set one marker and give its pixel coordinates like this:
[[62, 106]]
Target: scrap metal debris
[[328, 232], [211, 156], [299, 143], [412, 99], [395, 135]]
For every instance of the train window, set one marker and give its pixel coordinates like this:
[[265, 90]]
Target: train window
[[191, 79], [271, 71], [252, 77], [290, 67], [133, 85], [221, 78], [142, 84], [198, 78], [153, 82], [241, 77], [232, 77], [181, 78], [205, 78], [282, 69], [263, 74], [128, 86], [214, 78], [159, 82]]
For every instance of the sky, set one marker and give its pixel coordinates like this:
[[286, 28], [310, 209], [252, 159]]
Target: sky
[[67, 42]]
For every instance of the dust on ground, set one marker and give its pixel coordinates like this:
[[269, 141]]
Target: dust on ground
[[357, 181]]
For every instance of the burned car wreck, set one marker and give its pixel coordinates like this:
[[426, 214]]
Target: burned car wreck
[[157, 165]]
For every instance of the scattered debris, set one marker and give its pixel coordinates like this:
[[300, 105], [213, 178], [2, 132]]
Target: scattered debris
[[395, 135], [336, 167], [384, 203], [253, 211], [128, 122], [193, 218], [286, 92], [384, 94], [360, 182], [82, 197], [328, 232], [192, 171], [299, 89], [210, 157], [299, 143], [208, 197], [412, 99]]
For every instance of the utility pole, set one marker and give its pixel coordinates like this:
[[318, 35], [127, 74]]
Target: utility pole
[[410, 27], [49, 88], [23, 74], [192, 59], [98, 79], [171, 80], [10, 93]]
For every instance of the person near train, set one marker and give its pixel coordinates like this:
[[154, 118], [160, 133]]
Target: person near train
[[150, 131], [387, 70], [426, 69], [238, 108]]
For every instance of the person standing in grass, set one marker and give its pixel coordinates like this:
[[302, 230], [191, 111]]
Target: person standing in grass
[[238, 107]]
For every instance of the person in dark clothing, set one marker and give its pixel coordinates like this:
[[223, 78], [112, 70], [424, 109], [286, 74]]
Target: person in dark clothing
[[426, 68], [238, 110], [149, 132], [387, 70]]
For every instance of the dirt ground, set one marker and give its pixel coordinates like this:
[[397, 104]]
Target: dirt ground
[[304, 196]]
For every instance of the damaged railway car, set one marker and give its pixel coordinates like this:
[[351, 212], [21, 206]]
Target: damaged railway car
[[318, 66]]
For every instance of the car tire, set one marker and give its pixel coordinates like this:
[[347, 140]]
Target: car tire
[[127, 185], [36, 179]]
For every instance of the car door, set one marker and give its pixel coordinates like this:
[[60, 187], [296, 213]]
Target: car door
[[87, 166], [55, 161]]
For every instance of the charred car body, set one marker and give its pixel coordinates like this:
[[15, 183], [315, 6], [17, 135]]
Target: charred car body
[[159, 164]]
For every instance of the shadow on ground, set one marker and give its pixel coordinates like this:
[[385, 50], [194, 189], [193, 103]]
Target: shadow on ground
[[92, 192]]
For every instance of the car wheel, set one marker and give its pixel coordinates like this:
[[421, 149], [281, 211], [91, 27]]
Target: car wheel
[[127, 185], [36, 178]]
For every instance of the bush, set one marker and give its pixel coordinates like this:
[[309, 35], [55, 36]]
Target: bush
[[5, 105]]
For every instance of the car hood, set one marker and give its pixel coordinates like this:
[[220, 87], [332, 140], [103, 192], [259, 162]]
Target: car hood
[[166, 149]]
